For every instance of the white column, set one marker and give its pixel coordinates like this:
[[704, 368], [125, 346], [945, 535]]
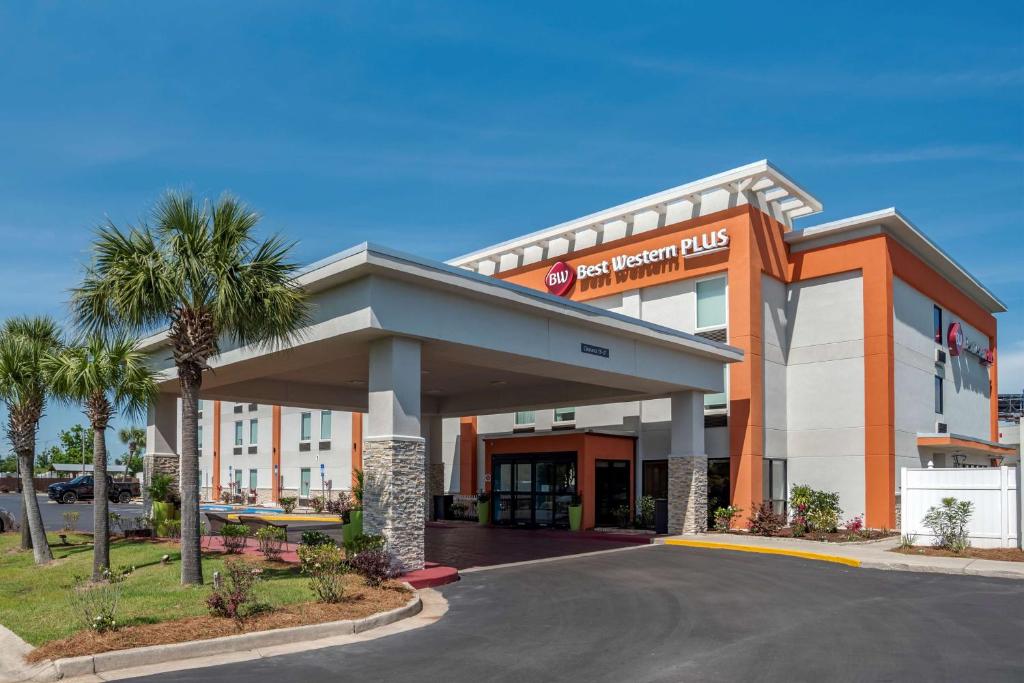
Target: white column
[[161, 444], [394, 451], [687, 465]]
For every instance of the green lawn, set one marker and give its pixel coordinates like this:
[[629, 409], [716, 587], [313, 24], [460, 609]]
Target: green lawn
[[34, 600]]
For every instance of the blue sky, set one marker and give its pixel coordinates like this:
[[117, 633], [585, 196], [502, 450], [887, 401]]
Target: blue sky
[[441, 127]]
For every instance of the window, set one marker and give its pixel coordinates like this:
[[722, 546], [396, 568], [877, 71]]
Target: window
[[325, 425], [937, 323], [199, 412], [254, 432], [238, 480], [773, 483], [253, 407], [711, 303], [199, 438], [938, 395], [565, 415], [306, 426], [717, 401], [524, 418], [253, 479], [238, 433]]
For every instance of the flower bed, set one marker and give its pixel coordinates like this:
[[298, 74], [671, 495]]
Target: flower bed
[[1001, 554], [840, 536]]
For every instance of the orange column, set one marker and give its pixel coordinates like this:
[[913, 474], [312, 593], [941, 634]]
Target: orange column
[[879, 391], [215, 492], [357, 445], [746, 378], [467, 456], [275, 454]]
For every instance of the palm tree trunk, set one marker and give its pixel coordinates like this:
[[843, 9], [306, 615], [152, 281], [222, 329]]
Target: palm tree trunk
[[100, 505], [26, 537], [191, 554], [40, 547]]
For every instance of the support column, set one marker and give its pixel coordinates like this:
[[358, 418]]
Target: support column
[[161, 445], [394, 452], [434, 462], [687, 466]]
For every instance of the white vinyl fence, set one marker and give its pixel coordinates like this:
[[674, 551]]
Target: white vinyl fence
[[995, 522]]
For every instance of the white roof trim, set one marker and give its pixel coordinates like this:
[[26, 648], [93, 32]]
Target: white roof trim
[[761, 177], [910, 236]]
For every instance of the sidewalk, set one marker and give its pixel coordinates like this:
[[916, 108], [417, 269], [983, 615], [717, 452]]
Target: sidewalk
[[868, 555]]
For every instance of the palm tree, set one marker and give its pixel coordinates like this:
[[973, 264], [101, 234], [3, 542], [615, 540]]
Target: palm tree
[[24, 343], [135, 439], [105, 376], [201, 272]]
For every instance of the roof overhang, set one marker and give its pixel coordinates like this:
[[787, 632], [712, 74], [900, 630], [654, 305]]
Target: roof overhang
[[487, 345], [760, 183], [958, 443], [891, 222]]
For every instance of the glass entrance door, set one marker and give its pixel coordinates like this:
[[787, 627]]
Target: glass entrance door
[[533, 489], [611, 489]]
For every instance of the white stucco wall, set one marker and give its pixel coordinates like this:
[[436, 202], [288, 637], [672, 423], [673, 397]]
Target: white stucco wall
[[825, 387], [966, 385], [775, 332]]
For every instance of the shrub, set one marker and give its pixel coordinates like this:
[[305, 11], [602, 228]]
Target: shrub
[[318, 504], [71, 520], [855, 525], [316, 538], [225, 496], [95, 604], [357, 490], [161, 489], [288, 504], [766, 522], [949, 523], [170, 528], [374, 565], [236, 537], [326, 570], [364, 542], [621, 514], [235, 596], [483, 496], [115, 521], [645, 511], [725, 515], [270, 540], [814, 510], [908, 541], [341, 505], [459, 509]]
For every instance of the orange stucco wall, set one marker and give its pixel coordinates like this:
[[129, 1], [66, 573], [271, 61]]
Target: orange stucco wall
[[467, 456], [589, 448]]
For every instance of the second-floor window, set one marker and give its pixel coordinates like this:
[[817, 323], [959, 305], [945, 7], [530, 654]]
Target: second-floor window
[[199, 438], [939, 408], [325, 425], [937, 323], [254, 432], [524, 418], [238, 433], [564, 415], [305, 426]]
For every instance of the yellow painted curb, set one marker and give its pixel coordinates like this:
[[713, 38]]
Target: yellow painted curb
[[763, 550], [285, 518]]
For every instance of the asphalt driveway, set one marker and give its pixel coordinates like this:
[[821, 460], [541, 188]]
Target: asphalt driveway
[[53, 514], [680, 614]]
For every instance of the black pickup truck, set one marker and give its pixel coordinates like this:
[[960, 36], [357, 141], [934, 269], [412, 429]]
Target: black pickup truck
[[81, 488]]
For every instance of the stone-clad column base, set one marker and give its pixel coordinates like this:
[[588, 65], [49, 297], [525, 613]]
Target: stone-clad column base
[[393, 489], [435, 486], [687, 494]]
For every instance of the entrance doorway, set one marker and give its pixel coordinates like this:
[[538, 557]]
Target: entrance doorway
[[533, 489], [611, 491], [718, 487]]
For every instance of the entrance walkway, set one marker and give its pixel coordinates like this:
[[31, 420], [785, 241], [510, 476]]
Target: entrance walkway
[[466, 545]]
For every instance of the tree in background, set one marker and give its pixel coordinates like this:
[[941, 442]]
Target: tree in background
[[104, 377], [135, 439], [24, 388], [201, 272], [73, 447]]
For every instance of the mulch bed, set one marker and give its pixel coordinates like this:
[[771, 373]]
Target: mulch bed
[[360, 601], [1004, 554], [831, 537]]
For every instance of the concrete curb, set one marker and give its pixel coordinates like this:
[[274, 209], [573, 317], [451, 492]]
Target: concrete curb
[[106, 662], [803, 554]]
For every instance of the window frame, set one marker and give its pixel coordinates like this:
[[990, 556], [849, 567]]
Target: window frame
[[937, 322], [239, 432], [303, 417], [254, 438], [940, 395], [516, 424], [563, 422], [325, 418], [696, 304]]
